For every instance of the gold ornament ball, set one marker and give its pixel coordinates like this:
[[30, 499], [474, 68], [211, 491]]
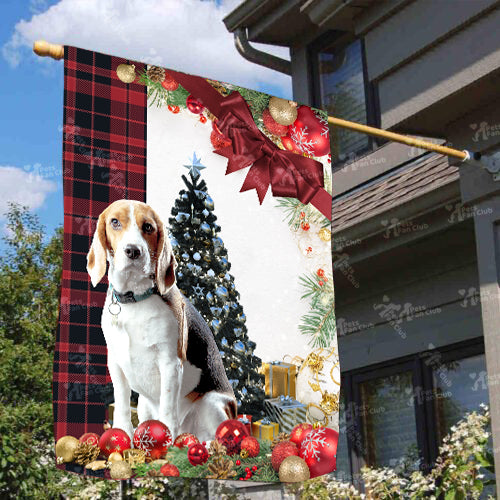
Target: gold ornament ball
[[120, 470], [282, 111], [294, 470], [115, 457], [66, 447], [126, 72], [325, 234]]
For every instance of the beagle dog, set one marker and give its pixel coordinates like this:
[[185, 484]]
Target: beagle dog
[[158, 343]]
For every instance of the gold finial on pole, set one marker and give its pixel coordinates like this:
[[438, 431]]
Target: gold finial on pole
[[43, 48]]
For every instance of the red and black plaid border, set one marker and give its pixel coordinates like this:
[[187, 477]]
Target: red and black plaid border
[[104, 159]]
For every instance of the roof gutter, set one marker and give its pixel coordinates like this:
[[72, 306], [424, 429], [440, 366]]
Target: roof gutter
[[258, 56]]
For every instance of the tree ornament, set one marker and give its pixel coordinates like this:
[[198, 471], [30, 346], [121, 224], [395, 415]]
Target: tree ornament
[[221, 468], [218, 140], [299, 432], [86, 453], [309, 132], [325, 234], [244, 454], [319, 450], [115, 457], [231, 433], [169, 83], [185, 440], [66, 448], [272, 125], [153, 437], [217, 449], [282, 436], [197, 454], [134, 456], [281, 451], [156, 74], [96, 465], [113, 440], [293, 470], [251, 445], [169, 470], [283, 111], [90, 437], [120, 470], [126, 73], [194, 105]]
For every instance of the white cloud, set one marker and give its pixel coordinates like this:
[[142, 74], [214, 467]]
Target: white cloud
[[24, 187], [186, 35]]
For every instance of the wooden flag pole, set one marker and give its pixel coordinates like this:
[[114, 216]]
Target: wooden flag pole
[[43, 48]]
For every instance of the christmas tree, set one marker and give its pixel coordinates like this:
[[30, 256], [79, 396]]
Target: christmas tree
[[203, 277]]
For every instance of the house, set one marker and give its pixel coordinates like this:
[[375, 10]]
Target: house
[[416, 235]]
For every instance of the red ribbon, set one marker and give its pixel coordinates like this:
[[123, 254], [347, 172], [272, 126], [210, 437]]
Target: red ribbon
[[289, 174]]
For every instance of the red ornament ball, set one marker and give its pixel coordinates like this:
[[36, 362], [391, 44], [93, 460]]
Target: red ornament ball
[[153, 437], [169, 83], [251, 445], [114, 440], [309, 133], [319, 451], [219, 141], [273, 126], [197, 454], [185, 439], [194, 105], [281, 451], [90, 438], [231, 433], [299, 432], [169, 470], [290, 145]]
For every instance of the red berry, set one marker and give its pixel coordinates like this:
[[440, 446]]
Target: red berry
[[254, 468], [176, 109], [242, 478], [170, 108], [320, 272], [305, 226], [203, 119], [321, 283], [247, 469], [302, 215], [238, 462]]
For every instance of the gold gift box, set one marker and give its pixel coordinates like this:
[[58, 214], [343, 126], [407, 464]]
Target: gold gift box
[[280, 379], [265, 431], [133, 414]]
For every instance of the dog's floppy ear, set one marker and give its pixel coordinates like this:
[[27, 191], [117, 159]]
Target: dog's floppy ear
[[97, 258], [166, 263]]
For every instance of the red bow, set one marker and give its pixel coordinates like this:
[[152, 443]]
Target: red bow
[[289, 174]]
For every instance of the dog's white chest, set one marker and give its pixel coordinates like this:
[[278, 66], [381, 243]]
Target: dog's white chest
[[136, 337]]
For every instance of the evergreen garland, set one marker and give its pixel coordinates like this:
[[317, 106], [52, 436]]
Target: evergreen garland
[[319, 324]]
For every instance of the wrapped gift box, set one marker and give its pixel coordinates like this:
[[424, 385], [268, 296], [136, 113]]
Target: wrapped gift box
[[133, 414], [265, 429], [247, 420], [287, 411], [280, 379]]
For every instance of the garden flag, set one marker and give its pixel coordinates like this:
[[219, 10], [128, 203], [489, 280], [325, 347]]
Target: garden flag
[[197, 328]]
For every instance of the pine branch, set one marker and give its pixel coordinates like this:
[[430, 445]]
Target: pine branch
[[319, 325], [293, 207]]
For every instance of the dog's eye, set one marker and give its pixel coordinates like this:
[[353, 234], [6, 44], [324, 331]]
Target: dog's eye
[[115, 224], [147, 228]]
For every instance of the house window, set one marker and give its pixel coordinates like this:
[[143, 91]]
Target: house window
[[403, 409], [340, 87]]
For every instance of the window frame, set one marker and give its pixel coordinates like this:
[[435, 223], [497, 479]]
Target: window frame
[[337, 39], [422, 376]]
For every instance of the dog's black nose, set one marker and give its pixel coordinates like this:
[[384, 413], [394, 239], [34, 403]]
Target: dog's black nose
[[132, 252]]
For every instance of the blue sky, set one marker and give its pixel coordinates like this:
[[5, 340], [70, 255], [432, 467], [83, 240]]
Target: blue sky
[[31, 88]]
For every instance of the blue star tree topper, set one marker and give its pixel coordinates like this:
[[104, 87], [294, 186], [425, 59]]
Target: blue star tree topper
[[195, 167]]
